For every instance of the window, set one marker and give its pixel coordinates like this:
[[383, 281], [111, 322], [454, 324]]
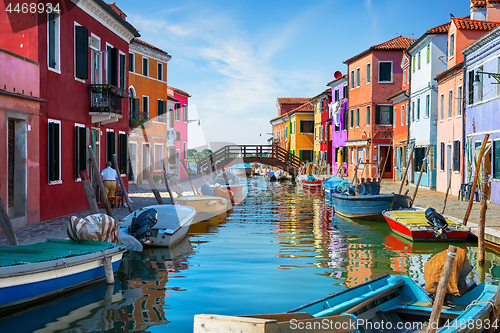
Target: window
[[456, 155], [352, 79], [184, 150], [177, 111], [145, 106], [412, 111], [121, 71], [307, 126], [344, 121], [336, 95], [413, 66], [496, 159], [162, 111], [407, 113], [306, 155], [352, 118], [419, 59], [429, 53], [368, 73], [395, 115], [383, 115], [160, 71], [450, 103], [480, 86], [358, 77], [344, 154], [368, 115], [112, 65], [441, 165], [402, 115], [452, 45], [110, 147], [418, 108], [81, 152], [185, 113], [95, 60], [158, 157], [498, 71], [81, 52], [123, 160], [459, 100], [171, 118], [442, 106], [54, 150], [427, 105], [53, 41], [385, 71], [145, 64], [404, 76], [470, 84], [357, 117], [419, 159], [131, 62], [344, 91]]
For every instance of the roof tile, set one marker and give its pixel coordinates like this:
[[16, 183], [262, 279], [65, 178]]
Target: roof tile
[[292, 100], [140, 41], [443, 28], [398, 43], [468, 24]]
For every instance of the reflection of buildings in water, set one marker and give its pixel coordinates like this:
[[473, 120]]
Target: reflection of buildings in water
[[148, 271], [359, 264]]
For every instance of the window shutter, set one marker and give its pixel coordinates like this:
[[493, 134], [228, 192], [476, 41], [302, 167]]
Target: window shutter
[[377, 114], [164, 109], [123, 153], [136, 105], [301, 126], [77, 151], [114, 67], [301, 154], [82, 52], [82, 141], [391, 118], [52, 40], [456, 155], [158, 108], [442, 156], [496, 159], [51, 152], [122, 71], [344, 154], [109, 64]]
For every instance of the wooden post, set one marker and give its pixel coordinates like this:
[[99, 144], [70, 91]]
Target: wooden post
[[7, 226], [495, 312], [195, 191], [104, 196], [441, 290], [420, 176], [167, 185], [108, 270], [482, 215], [408, 161], [446, 195], [476, 176], [125, 194], [153, 187], [89, 192]]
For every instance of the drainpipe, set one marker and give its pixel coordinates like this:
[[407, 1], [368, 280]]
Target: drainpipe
[[464, 85]]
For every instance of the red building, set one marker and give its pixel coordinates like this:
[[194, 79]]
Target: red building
[[82, 53], [326, 130], [181, 127]]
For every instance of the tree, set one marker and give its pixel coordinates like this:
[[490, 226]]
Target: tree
[[191, 152], [206, 151]]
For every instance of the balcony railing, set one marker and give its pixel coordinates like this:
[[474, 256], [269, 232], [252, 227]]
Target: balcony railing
[[137, 118], [106, 98]]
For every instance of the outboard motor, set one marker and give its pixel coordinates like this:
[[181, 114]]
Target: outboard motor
[[142, 224], [437, 221]]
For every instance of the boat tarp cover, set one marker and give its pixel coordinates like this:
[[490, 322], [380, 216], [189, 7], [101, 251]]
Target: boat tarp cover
[[434, 267], [51, 249]]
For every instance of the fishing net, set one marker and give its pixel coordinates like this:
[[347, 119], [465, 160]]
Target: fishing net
[[434, 268]]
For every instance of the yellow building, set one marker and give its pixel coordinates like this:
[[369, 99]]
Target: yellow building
[[301, 130]]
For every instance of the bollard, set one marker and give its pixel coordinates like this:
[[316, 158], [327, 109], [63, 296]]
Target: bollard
[[108, 270]]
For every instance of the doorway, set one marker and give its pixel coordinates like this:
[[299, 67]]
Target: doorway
[[16, 167], [146, 160], [449, 166], [386, 154], [133, 161]]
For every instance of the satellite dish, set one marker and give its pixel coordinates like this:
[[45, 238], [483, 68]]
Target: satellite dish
[[337, 75]]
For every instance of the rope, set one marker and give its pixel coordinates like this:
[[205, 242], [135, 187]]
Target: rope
[[480, 302], [451, 254]]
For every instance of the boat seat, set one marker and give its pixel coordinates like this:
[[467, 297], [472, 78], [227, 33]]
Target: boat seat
[[424, 305]]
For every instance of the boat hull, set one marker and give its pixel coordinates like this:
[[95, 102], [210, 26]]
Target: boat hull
[[30, 283], [368, 206], [206, 206], [419, 231]]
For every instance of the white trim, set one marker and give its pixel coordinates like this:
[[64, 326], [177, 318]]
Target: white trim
[[96, 37], [450, 106], [57, 44], [159, 63], [392, 71], [58, 181], [483, 133], [352, 84], [110, 130], [451, 56], [155, 157], [358, 83], [121, 132]]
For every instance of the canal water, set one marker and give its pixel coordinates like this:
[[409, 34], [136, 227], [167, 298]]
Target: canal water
[[279, 249]]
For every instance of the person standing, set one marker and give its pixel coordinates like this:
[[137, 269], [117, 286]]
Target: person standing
[[110, 179]]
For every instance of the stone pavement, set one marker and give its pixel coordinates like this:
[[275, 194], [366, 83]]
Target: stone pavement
[[454, 207]]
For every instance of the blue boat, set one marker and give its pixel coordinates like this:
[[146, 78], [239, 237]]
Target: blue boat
[[30, 273], [399, 302], [368, 206]]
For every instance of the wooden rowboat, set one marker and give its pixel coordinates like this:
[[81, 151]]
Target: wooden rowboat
[[313, 185], [35, 272], [368, 206], [206, 206], [399, 301], [413, 225]]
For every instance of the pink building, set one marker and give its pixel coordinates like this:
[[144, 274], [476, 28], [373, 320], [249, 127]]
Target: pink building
[[180, 125]]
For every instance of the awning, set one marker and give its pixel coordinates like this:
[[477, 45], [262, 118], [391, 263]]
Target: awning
[[356, 143]]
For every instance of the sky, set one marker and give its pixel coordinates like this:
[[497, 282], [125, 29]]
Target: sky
[[235, 58]]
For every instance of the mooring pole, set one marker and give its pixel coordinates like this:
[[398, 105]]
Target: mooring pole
[[104, 196], [7, 226], [125, 194]]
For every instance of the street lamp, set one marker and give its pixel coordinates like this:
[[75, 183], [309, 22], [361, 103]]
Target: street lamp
[[477, 79]]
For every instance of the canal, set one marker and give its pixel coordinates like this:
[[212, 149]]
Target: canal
[[279, 249]]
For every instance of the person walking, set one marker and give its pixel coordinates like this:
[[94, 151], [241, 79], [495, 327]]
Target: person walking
[[110, 179]]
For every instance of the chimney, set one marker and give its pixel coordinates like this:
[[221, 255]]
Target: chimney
[[478, 10], [493, 10]]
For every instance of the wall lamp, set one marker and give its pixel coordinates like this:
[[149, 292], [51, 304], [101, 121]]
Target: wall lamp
[[477, 79]]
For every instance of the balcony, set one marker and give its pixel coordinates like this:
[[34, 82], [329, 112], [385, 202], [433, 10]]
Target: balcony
[[105, 103], [138, 118]]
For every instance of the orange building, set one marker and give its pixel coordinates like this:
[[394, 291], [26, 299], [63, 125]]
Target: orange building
[[149, 137], [373, 76], [281, 123]]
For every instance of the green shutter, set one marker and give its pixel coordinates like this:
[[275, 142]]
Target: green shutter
[[301, 154], [377, 114], [352, 118], [122, 71], [301, 126], [52, 40], [136, 104], [82, 52], [391, 117], [114, 67]]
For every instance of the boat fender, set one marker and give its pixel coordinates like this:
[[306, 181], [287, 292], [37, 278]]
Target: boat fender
[[437, 221], [212, 203]]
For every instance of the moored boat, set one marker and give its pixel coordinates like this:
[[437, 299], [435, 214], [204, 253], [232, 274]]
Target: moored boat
[[330, 185], [310, 182], [412, 224], [159, 225], [206, 206], [398, 300], [368, 206], [34, 272]]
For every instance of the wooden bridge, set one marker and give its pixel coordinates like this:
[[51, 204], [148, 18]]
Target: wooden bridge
[[265, 154]]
